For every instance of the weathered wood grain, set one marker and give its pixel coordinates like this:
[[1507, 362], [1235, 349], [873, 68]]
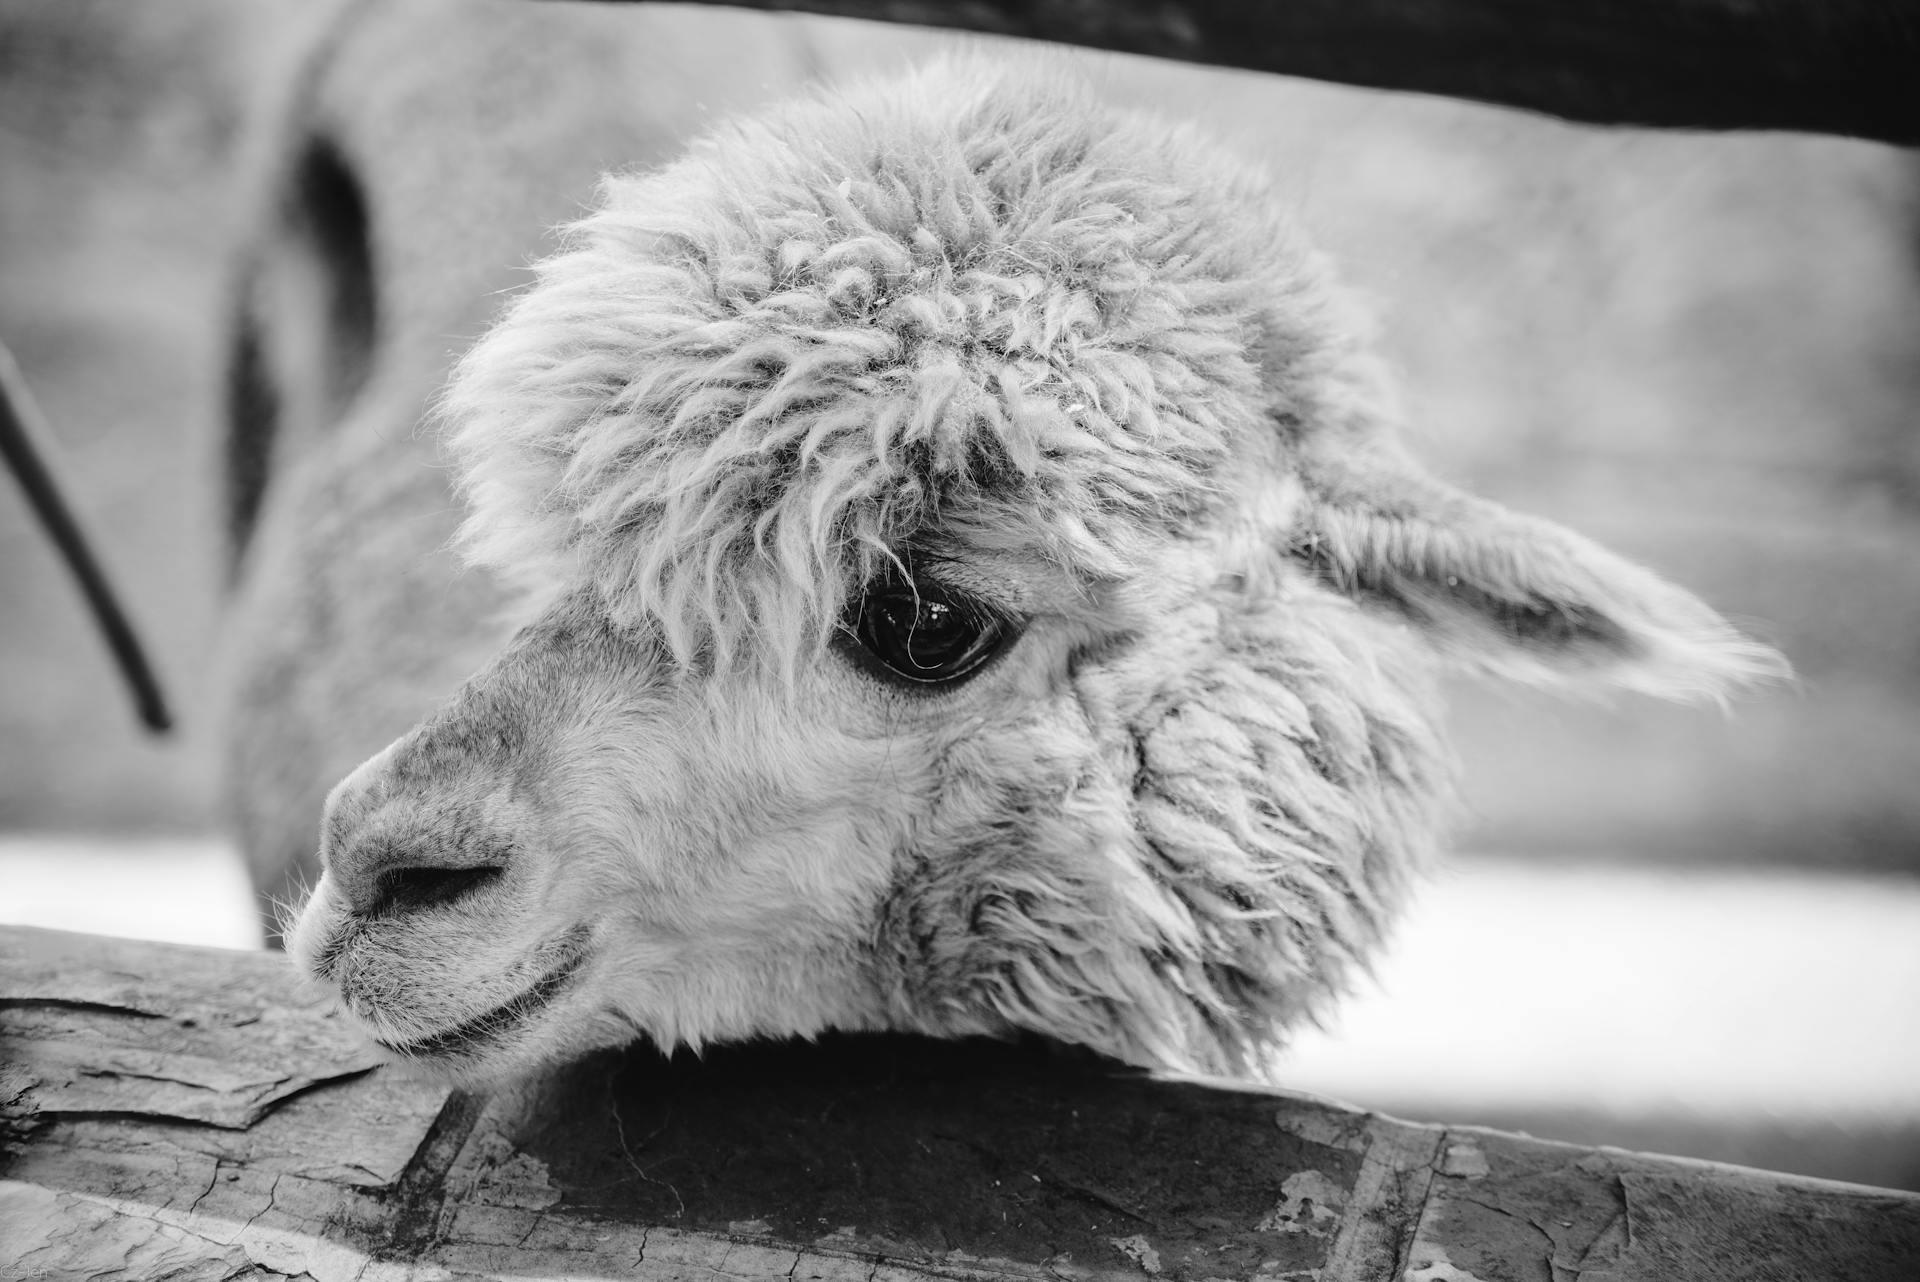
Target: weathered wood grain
[[1826, 66], [183, 1111], [189, 1113]]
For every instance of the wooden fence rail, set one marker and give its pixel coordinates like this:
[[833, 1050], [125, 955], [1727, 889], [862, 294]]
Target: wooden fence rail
[[1825, 66], [184, 1113]]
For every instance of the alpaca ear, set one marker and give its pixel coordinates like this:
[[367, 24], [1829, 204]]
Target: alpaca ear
[[1512, 594]]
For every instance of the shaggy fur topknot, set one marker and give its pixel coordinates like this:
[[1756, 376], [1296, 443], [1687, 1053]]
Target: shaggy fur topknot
[[971, 301]]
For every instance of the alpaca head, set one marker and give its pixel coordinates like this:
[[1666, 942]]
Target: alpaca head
[[979, 590]]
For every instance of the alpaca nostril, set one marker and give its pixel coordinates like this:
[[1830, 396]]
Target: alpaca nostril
[[398, 891]]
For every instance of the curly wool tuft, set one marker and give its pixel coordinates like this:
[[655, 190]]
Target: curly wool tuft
[[965, 303], [1192, 879]]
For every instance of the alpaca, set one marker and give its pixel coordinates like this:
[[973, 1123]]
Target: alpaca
[[966, 582]]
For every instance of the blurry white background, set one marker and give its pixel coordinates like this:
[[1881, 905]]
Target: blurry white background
[[1668, 928]]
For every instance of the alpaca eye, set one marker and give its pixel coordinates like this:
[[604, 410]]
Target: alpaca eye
[[927, 636]]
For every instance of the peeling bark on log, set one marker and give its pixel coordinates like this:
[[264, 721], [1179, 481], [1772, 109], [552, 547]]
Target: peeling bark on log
[[171, 1112], [1825, 66]]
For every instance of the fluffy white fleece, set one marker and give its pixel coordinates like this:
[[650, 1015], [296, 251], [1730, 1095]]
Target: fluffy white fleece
[[974, 317]]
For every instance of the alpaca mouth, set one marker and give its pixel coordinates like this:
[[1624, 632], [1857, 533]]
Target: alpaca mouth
[[499, 1023]]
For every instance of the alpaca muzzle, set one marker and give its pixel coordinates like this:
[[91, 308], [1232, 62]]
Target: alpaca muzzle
[[393, 851], [425, 921]]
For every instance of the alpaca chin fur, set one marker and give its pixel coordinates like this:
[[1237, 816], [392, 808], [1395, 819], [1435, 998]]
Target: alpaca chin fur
[[1070, 360]]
